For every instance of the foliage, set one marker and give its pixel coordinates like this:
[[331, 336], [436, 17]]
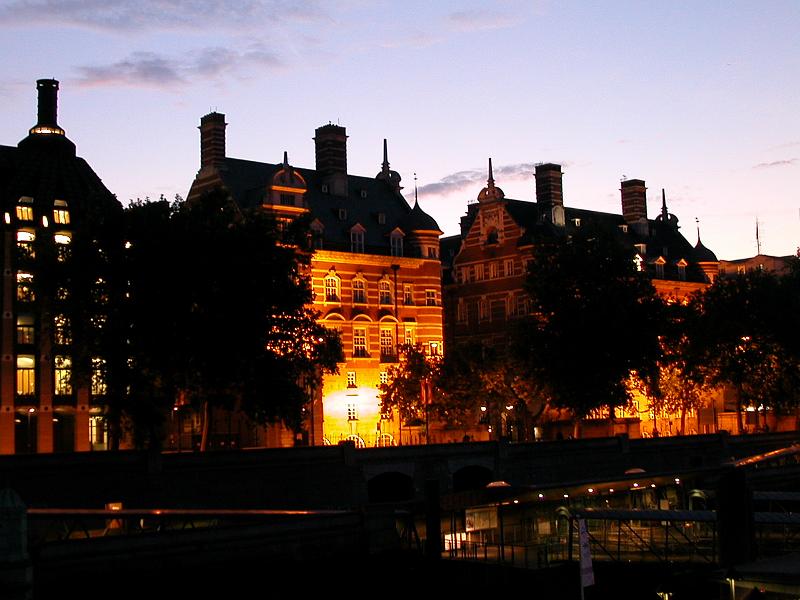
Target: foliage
[[217, 312], [596, 320], [410, 386]]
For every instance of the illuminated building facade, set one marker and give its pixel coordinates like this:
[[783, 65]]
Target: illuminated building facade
[[51, 200], [485, 267], [375, 270]]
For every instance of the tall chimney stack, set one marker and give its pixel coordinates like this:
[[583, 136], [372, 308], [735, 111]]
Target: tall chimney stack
[[48, 102], [550, 192], [330, 143], [634, 201], [212, 141]]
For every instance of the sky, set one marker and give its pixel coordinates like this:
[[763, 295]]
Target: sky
[[698, 98]]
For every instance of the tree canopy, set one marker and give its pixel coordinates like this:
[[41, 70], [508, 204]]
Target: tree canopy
[[217, 312], [596, 320]]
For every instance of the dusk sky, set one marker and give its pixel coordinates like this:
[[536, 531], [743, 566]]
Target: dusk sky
[[699, 98]]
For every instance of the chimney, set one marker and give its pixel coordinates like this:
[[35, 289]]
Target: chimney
[[330, 143], [634, 201], [212, 141], [549, 190], [48, 102]]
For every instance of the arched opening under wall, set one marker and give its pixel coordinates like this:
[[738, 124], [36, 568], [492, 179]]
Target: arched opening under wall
[[391, 486], [472, 477]]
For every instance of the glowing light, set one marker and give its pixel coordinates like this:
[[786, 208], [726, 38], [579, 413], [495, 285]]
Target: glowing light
[[509, 407], [516, 501], [635, 485], [591, 490], [611, 490], [7, 218], [652, 485], [483, 409], [541, 496], [566, 495], [677, 480], [45, 222], [31, 411]]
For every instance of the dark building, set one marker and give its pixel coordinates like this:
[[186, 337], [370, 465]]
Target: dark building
[[56, 253]]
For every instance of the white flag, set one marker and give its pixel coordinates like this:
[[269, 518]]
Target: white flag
[[587, 574]]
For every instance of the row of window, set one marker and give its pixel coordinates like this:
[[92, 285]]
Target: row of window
[[24, 212], [62, 330], [26, 293], [491, 270], [332, 285], [357, 233], [62, 375], [498, 309], [25, 246]]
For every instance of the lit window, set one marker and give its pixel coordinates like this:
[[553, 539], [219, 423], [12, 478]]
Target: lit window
[[408, 294], [509, 267], [25, 209], [494, 270], [396, 240], [98, 321], [430, 298], [359, 291], [384, 292], [25, 331], [62, 293], [25, 241], [25, 287], [357, 240], [351, 379], [479, 274], [410, 336], [387, 342], [482, 312], [63, 375], [60, 212], [98, 376], [26, 375], [331, 289], [360, 342], [384, 377], [577, 222], [639, 262], [352, 411], [436, 348], [62, 333]]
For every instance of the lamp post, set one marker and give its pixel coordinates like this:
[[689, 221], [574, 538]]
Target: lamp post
[[30, 414]]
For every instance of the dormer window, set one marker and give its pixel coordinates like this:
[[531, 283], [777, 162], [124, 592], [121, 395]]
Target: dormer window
[[624, 228], [357, 239], [660, 267], [682, 264], [25, 209], [381, 218], [639, 262], [316, 235], [577, 222], [396, 242], [324, 188], [342, 214], [641, 249], [60, 212], [363, 193]]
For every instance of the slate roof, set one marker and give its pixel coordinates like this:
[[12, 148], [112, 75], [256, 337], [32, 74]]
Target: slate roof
[[366, 200]]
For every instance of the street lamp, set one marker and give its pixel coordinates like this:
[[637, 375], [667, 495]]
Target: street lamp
[[31, 411]]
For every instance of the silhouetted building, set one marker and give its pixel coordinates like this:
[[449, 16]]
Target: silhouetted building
[[761, 262], [375, 269], [51, 201]]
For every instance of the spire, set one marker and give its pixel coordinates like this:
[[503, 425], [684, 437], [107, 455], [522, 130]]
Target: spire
[[758, 239], [490, 192], [416, 200], [285, 158], [385, 166], [392, 177], [664, 211], [697, 222]]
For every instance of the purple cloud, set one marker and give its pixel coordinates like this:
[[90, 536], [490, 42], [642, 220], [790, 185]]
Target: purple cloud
[[478, 20], [776, 163], [473, 180]]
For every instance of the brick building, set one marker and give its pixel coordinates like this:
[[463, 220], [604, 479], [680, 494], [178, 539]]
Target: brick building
[[375, 270]]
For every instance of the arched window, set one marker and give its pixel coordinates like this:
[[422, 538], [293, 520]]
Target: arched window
[[384, 292], [332, 287]]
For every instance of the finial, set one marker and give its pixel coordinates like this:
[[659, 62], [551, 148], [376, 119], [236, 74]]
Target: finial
[[490, 181], [664, 211], [385, 166], [416, 199], [285, 158], [697, 221]]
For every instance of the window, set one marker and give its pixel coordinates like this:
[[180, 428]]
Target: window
[[509, 267], [98, 376], [577, 222], [360, 342], [331, 288], [479, 274], [408, 294], [63, 241], [25, 287], [641, 249], [492, 237], [316, 235], [363, 193], [62, 293], [461, 311], [60, 212], [351, 379], [494, 270], [436, 348], [387, 342], [482, 312], [357, 240], [432, 252], [624, 228], [63, 375], [522, 305], [384, 377], [342, 214], [352, 411], [381, 218], [384, 292], [410, 337], [396, 241], [26, 374], [639, 262], [25, 332], [430, 298], [682, 272], [62, 332], [25, 209], [359, 291], [287, 199], [25, 241], [660, 270], [740, 269]]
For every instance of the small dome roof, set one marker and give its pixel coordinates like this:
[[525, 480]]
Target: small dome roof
[[703, 254], [418, 220]]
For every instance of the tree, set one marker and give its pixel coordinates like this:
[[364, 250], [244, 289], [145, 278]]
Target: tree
[[596, 319], [411, 386], [218, 314], [478, 382], [742, 334]]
